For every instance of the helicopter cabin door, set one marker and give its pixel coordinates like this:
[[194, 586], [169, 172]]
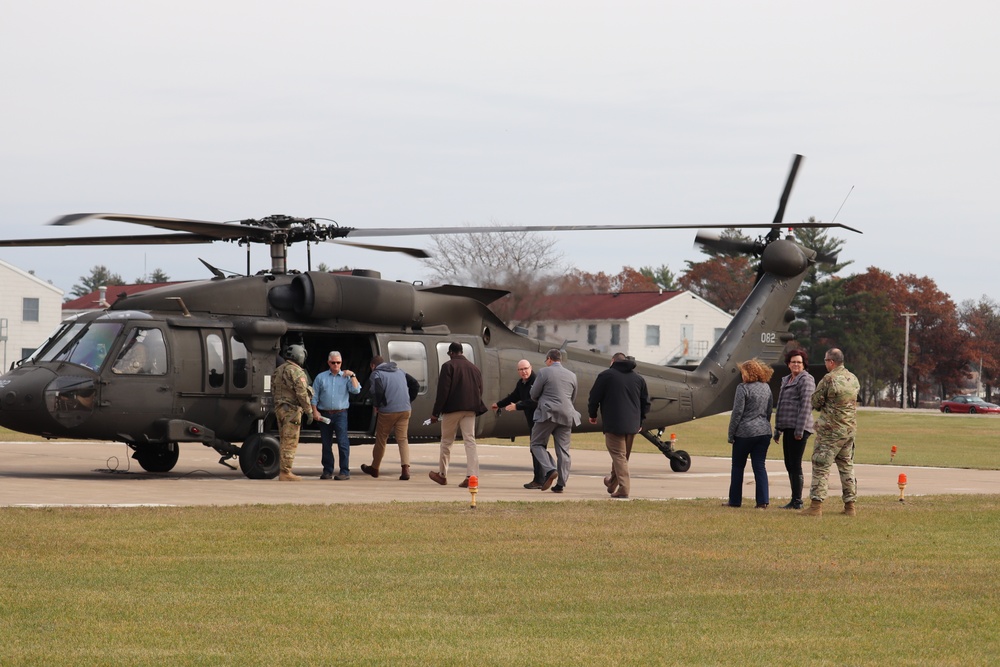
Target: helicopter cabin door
[[214, 381], [137, 387]]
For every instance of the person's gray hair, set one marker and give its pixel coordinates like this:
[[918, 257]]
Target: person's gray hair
[[554, 354], [334, 355], [835, 355]]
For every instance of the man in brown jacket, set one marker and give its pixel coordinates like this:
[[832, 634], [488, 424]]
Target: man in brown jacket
[[459, 401]]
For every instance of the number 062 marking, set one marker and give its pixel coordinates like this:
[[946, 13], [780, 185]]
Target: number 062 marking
[[769, 337]]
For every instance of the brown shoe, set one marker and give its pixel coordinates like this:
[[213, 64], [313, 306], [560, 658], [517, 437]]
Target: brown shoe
[[438, 477], [619, 494], [849, 509], [550, 479], [288, 477], [464, 484], [368, 470], [405, 475]]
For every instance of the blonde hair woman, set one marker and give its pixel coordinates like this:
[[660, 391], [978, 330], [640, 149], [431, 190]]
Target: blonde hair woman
[[750, 430]]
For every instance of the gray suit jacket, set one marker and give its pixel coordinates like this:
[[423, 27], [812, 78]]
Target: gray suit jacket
[[555, 391]]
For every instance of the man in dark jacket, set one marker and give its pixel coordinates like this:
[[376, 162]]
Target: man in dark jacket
[[520, 399], [623, 399], [392, 390], [459, 402]]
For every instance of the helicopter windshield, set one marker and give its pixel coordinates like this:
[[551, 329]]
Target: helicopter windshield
[[82, 344]]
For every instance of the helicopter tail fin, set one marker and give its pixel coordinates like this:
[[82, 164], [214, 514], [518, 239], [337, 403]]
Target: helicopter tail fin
[[759, 329]]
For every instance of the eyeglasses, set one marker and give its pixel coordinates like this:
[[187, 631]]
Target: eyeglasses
[[794, 362], [336, 363], [524, 369]]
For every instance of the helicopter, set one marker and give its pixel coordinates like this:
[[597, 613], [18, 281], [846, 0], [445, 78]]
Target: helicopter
[[193, 362]]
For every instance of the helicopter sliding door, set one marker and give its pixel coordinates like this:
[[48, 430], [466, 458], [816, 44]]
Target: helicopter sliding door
[[214, 381]]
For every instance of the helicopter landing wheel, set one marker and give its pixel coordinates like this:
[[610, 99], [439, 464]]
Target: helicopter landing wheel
[[680, 461], [157, 458], [260, 457]]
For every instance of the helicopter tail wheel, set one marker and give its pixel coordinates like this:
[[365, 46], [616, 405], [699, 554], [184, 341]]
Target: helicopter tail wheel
[[260, 457], [680, 461], [159, 458]]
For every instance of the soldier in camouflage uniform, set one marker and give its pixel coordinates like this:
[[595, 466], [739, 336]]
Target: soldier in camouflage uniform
[[836, 398], [292, 400]]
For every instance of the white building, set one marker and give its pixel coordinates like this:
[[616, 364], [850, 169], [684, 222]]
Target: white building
[[30, 310], [676, 328]]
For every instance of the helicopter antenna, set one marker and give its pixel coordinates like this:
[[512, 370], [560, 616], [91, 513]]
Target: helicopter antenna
[[842, 204]]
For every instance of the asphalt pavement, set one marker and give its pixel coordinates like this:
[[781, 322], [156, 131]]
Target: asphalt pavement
[[62, 473]]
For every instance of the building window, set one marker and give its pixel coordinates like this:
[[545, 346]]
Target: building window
[[30, 310], [591, 334], [616, 334], [653, 335]]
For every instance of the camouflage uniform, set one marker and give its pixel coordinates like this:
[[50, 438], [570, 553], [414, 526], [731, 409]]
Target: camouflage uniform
[[836, 398], [292, 396]]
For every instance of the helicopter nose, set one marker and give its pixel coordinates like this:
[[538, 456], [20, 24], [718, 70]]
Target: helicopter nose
[[37, 400]]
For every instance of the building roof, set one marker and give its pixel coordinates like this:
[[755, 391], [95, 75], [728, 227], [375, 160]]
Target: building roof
[[563, 307], [30, 276], [92, 300]]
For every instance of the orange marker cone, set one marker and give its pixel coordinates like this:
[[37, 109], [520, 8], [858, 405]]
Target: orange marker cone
[[902, 485], [892, 453]]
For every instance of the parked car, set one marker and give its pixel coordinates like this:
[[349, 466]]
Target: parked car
[[970, 404]]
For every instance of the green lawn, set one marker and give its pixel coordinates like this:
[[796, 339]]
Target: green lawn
[[921, 439], [594, 583]]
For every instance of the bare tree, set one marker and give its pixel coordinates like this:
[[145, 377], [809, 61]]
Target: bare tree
[[523, 263]]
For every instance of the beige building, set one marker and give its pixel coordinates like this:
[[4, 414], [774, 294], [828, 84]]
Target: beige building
[[30, 310], [676, 328]]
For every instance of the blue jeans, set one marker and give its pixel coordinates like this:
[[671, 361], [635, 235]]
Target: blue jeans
[[756, 449], [338, 425]]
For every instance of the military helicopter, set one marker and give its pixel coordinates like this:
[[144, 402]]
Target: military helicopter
[[192, 362]]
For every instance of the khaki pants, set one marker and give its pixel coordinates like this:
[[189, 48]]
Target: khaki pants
[[450, 423], [619, 447], [392, 422]]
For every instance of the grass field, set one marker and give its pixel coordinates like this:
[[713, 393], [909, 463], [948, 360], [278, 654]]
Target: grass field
[[637, 583], [592, 583], [921, 439]]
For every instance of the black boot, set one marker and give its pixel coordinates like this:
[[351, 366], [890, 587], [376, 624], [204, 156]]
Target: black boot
[[796, 482]]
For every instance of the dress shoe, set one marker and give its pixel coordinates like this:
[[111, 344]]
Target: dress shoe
[[368, 470], [288, 477], [558, 488], [549, 480], [438, 477], [405, 475], [341, 477], [760, 506], [326, 475], [533, 485], [464, 484], [619, 494], [612, 486]]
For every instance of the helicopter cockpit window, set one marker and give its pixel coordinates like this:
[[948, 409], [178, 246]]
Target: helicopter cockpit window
[[70, 400], [216, 363], [82, 344], [238, 352], [410, 356], [143, 353], [467, 350]]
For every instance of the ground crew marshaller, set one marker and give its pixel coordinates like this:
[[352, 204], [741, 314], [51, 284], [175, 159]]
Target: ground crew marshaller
[[836, 398], [292, 399]]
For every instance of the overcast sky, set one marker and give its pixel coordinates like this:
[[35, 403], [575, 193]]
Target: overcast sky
[[402, 114]]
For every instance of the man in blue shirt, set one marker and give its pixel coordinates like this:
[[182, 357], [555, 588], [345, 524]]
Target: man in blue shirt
[[332, 391]]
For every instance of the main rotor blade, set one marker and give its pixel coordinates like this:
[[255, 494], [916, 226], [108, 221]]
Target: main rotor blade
[[417, 231], [780, 215], [135, 239], [216, 230], [412, 252], [719, 244]]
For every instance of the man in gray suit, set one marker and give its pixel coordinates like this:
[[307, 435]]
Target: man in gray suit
[[554, 391]]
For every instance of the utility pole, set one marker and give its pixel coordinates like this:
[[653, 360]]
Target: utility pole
[[906, 357]]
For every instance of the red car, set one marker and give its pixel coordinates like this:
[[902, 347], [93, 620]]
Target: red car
[[970, 404]]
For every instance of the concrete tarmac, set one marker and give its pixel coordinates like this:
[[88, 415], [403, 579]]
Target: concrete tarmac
[[62, 473]]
